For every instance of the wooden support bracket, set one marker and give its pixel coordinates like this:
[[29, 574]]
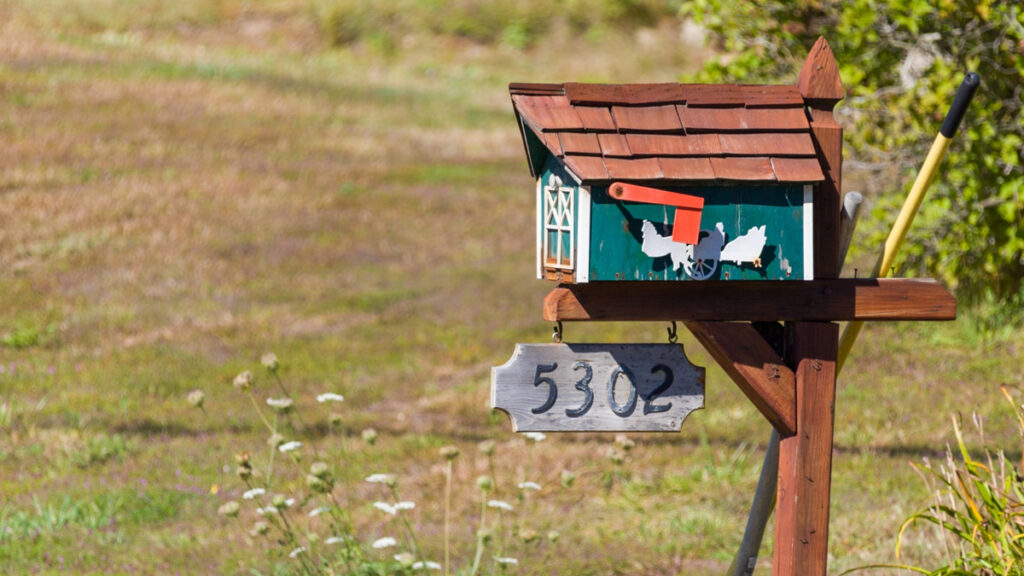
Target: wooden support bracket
[[752, 364], [837, 299]]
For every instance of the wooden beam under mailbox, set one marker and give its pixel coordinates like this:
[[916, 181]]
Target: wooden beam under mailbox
[[839, 299]]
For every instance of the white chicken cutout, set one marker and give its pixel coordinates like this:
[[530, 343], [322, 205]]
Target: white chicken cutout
[[700, 261]]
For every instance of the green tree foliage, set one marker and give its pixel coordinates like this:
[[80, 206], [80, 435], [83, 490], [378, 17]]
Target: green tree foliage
[[901, 62]]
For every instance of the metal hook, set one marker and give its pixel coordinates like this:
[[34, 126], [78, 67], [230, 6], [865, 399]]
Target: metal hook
[[673, 337], [556, 336]]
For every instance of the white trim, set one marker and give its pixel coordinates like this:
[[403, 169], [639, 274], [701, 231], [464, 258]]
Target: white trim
[[559, 205], [540, 228], [583, 236], [808, 232], [573, 174]]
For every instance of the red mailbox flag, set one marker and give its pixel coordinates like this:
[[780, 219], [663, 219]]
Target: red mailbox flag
[[686, 228]]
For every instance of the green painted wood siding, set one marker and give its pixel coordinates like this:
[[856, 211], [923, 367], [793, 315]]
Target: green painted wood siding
[[617, 233]]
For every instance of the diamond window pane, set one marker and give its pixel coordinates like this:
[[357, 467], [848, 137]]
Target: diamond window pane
[[559, 226]]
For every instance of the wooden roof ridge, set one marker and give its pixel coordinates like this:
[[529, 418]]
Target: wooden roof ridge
[[536, 89], [648, 94]]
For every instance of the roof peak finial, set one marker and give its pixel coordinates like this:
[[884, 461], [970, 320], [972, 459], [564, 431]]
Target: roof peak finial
[[819, 79]]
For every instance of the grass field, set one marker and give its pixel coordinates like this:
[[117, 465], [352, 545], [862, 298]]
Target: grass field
[[186, 187]]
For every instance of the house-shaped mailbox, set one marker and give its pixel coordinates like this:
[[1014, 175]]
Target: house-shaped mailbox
[[673, 182]]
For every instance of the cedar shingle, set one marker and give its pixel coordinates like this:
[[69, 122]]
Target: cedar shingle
[[579, 143], [635, 169], [632, 94], [647, 118], [549, 113], [686, 168], [743, 169], [588, 168], [776, 119], [674, 144], [550, 140], [701, 119], [756, 96], [797, 169], [596, 118], [614, 145], [767, 144], [713, 95]]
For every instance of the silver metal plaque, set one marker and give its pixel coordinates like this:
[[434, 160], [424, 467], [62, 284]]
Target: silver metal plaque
[[597, 387]]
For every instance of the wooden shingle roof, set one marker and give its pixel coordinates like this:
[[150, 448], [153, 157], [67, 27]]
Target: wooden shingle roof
[[675, 133]]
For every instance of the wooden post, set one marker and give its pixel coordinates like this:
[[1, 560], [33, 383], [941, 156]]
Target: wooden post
[[805, 459], [821, 88]]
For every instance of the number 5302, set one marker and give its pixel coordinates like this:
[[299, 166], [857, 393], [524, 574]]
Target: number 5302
[[620, 376]]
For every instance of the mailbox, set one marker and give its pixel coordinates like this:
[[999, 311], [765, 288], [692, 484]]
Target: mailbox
[[671, 182]]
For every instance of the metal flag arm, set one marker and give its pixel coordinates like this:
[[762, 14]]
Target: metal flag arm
[[686, 227]]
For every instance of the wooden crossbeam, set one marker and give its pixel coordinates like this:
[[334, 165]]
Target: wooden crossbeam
[[839, 299]]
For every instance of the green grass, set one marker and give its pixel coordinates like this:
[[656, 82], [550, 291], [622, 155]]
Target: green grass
[[185, 186]]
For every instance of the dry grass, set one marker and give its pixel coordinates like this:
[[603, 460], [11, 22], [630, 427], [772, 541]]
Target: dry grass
[[184, 188]]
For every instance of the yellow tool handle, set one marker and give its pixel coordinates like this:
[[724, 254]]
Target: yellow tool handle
[[914, 200]]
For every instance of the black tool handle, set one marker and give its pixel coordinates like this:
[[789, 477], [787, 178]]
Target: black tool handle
[[963, 99]]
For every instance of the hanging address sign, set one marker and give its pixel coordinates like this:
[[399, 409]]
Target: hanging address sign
[[597, 387]]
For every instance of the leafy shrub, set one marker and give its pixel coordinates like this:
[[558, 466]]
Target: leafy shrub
[[978, 508]]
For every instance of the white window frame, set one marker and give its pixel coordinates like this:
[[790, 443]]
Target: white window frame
[[559, 201]]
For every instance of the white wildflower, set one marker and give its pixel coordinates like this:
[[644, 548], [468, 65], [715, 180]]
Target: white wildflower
[[529, 486], [535, 436], [243, 381], [250, 494], [334, 540], [229, 509], [426, 565], [289, 446], [385, 542], [506, 560], [280, 404], [196, 398], [279, 501], [379, 478], [265, 511], [318, 511], [296, 552], [406, 505], [330, 397], [386, 508], [270, 361], [499, 504]]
